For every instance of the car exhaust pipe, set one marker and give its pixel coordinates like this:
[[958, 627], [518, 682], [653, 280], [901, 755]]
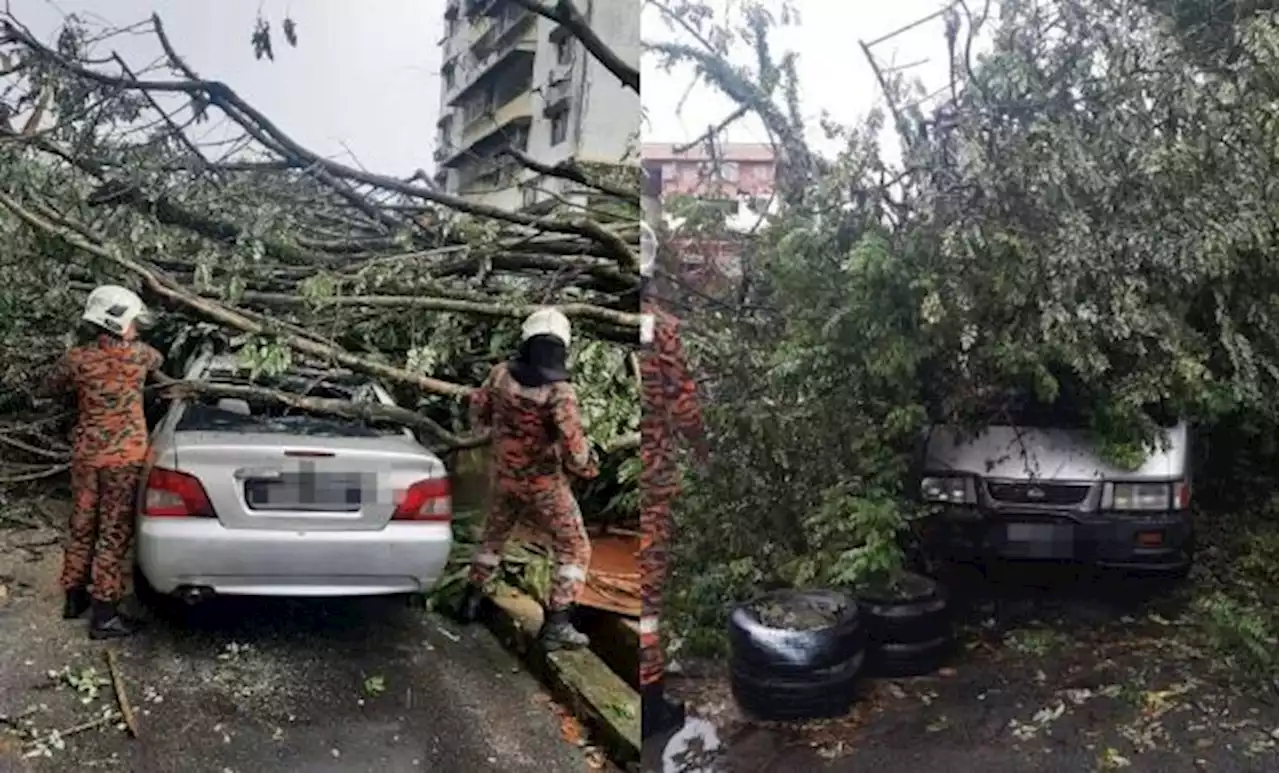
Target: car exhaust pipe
[[194, 594]]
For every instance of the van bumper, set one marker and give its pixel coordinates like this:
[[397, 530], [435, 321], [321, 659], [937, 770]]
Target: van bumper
[[1151, 542]]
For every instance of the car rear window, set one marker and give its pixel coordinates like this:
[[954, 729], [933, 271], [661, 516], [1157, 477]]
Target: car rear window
[[209, 413]]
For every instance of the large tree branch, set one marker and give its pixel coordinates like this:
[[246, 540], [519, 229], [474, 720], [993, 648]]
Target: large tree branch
[[572, 310], [569, 170], [225, 315], [567, 14], [373, 413], [267, 133]]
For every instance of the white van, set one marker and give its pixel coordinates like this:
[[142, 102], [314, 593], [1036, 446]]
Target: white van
[[1039, 491]]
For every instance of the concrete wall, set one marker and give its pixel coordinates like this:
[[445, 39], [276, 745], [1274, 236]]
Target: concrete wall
[[603, 115], [609, 129]]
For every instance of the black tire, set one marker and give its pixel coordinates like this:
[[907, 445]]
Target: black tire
[[146, 594], [912, 659], [765, 649], [820, 694], [152, 604], [920, 612], [418, 601]]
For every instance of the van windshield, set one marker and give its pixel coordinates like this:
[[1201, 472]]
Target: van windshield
[[1025, 411], [1021, 409]]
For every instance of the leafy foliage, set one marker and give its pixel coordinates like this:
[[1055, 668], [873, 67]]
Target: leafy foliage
[[1088, 223]]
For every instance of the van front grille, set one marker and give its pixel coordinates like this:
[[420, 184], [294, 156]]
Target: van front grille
[[1039, 493]]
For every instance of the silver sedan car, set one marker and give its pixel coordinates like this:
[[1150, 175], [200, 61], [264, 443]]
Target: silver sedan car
[[243, 498]]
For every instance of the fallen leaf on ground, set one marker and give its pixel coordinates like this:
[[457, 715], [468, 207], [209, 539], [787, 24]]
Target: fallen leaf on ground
[[571, 730]]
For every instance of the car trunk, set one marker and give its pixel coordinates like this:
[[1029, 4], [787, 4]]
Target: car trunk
[[266, 481]]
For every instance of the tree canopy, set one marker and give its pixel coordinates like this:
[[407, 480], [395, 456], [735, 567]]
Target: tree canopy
[[1085, 215]]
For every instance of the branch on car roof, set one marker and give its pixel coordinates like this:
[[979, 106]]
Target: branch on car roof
[[373, 413]]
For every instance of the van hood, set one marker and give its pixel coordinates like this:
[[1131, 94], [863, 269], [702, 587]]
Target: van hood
[[1021, 453]]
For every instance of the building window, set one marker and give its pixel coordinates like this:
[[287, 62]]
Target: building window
[[564, 50], [729, 170], [448, 78], [559, 128]]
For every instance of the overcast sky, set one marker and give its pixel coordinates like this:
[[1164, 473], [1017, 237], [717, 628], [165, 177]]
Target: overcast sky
[[367, 73], [834, 73], [364, 73]]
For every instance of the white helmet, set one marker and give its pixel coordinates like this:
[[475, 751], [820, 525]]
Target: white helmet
[[648, 249], [114, 308], [546, 321]]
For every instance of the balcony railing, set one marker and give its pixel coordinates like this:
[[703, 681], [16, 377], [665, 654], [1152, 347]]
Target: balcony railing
[[512, 16], [486, 123], [500, 39], [558, 92]]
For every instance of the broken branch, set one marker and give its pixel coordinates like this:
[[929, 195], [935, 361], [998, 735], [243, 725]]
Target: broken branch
[[372, 413], [122, 697]]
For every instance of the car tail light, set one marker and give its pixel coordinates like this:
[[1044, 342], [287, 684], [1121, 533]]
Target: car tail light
[[1182, 494], [172, 494], [427, 500]]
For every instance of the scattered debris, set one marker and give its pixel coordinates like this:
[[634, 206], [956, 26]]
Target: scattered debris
[[375, 685], [122, 697], [86, 681], [797, 615], [55, 740]]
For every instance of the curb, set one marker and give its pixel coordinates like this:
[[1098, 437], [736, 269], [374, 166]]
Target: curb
[[597, 696]]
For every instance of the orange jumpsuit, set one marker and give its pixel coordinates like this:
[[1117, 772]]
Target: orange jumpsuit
[[669, 409], [535, 436], [109, 449]]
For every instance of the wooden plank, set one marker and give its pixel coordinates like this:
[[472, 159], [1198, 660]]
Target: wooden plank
[[598, 697]]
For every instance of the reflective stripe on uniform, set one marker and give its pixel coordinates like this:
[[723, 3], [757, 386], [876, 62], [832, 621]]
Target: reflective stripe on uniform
[[573, 572]]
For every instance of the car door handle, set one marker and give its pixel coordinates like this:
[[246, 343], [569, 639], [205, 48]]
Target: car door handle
[[258, 473]]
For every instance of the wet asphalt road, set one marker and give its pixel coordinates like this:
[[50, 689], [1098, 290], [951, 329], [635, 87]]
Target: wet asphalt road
[[258, 686]]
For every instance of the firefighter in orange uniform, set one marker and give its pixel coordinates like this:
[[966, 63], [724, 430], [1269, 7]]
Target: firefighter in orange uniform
[[109, 449], [537, 440], [670, 413]]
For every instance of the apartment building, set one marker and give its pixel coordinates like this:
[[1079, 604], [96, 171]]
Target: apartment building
[[738, 177], [735, 169], [512, 78]]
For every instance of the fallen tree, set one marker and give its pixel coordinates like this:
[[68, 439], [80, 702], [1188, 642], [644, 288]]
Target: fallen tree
[[1086, 210], [249, 240]]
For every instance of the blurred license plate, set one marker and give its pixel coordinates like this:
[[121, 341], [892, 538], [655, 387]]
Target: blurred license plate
[[1032, 532], [1040, 540], [308, 491]]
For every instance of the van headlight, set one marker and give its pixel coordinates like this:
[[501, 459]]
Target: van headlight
[[1146, 497], [953, 490]]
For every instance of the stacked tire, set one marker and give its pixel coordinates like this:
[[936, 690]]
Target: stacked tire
[[782, 674], [908, 627]]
